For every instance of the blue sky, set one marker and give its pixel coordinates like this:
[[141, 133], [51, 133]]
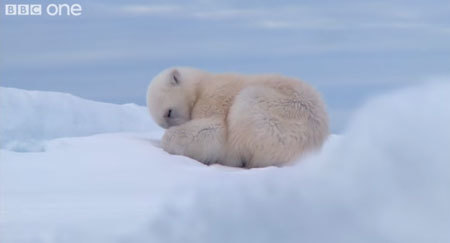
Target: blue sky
[[348, 50]]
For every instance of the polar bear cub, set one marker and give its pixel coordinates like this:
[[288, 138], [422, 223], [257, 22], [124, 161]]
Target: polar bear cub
[[236, 120]]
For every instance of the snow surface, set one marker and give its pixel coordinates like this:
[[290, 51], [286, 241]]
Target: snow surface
[[385, 179], [29, 117]]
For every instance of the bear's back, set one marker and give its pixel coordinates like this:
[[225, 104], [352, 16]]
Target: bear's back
[[216, 95]]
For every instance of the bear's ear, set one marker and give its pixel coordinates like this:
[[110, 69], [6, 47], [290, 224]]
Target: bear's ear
[[175, 77]]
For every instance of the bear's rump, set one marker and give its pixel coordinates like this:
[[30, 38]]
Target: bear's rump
[[266, 127]]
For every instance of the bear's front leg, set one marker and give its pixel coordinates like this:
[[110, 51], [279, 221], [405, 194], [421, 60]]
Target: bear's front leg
[[201, 139]]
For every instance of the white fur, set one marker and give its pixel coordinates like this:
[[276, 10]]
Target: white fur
[[236, 120]]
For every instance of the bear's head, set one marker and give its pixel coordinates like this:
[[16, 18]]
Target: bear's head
[[170, 97]]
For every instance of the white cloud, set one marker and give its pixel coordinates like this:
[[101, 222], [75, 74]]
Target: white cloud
[[301, 16], [227, 13], [300, 24], [150, 9]]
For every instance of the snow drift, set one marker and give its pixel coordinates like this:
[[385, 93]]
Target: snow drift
[[385, 179], [28, 117]]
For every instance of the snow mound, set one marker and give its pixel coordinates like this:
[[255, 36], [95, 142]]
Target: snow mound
[[29, 117], [386, 179]]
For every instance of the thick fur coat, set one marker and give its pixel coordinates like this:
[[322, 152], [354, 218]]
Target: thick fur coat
[[237, 120]]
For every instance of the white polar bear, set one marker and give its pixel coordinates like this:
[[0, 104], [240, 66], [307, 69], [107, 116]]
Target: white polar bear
[[236, 120]]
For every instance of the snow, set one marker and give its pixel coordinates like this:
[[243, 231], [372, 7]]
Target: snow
[[385, 179], [29, 117]]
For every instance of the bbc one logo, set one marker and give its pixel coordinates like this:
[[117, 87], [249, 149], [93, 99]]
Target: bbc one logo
[[38, 9]]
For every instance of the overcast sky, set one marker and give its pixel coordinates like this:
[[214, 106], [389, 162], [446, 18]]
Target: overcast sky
[[348, 50]]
